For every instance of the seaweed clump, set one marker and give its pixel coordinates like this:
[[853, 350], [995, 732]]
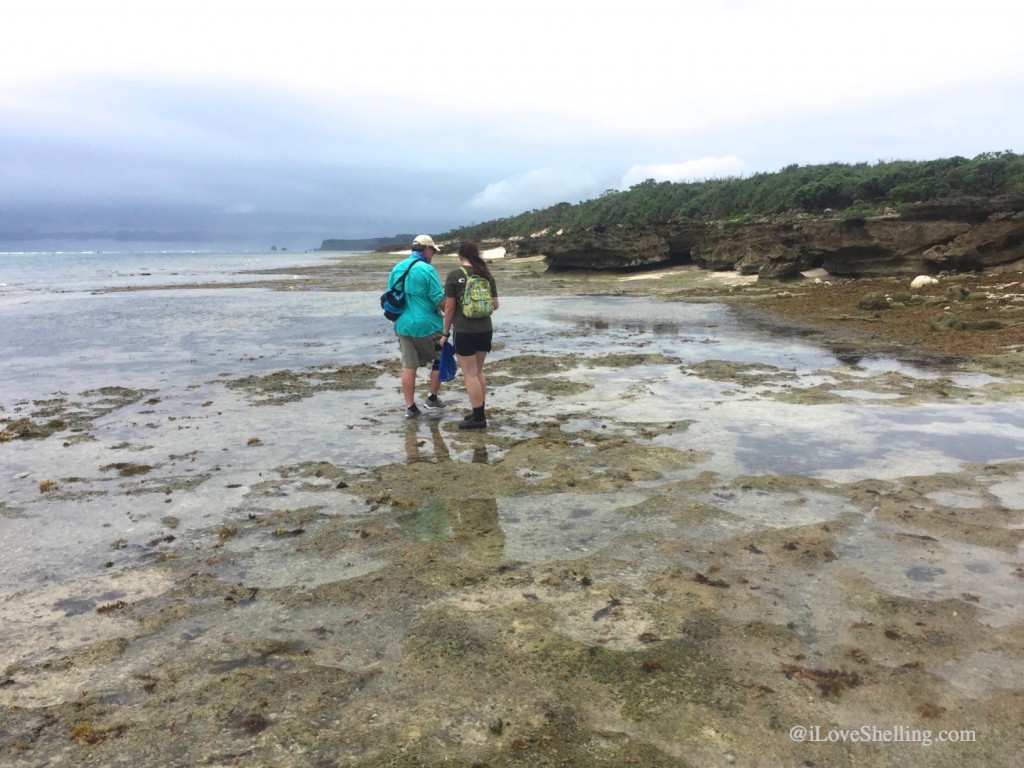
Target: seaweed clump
[[831, 682]]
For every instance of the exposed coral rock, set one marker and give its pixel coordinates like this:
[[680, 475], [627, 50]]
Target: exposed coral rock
[[605, 250], [960, 234], [765, 249], [880, 247], [997, 241]]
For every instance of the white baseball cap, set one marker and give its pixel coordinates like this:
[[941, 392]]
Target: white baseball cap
[[425, 241]]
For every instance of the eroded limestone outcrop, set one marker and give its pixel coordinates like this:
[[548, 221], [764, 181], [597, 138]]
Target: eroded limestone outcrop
[[606, 250], [961, 234]]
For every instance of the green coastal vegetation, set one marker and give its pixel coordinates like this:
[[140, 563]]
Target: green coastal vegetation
[[854, 191]]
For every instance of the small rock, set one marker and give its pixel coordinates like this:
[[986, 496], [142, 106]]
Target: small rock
[[957, 293], [921, 281], [873, 300]]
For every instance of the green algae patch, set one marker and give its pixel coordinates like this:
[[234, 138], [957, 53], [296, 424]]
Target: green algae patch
[[633, 360], [664, 676], [557, 387], [1010, 364], [532, 366], [680, 509], [744, 374], [288, 386]]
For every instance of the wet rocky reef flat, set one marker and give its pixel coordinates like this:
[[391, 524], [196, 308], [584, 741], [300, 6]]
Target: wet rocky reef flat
[[733, 535]]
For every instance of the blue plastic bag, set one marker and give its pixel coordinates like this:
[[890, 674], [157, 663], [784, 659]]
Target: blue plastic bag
[[446, 371]]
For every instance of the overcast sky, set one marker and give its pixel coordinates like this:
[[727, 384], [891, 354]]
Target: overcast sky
[[264, 123]]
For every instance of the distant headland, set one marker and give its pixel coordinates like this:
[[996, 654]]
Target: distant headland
[[366, 244]]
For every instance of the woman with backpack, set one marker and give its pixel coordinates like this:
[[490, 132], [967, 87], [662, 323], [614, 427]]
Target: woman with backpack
[[471, 295]]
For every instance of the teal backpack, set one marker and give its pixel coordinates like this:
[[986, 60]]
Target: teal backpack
[[476, 298]]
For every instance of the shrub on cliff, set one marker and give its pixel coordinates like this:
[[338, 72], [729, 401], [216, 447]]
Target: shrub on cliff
[[862, 189]]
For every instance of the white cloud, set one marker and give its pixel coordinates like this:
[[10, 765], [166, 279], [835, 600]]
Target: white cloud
[[534, 189], [334, 112], [691, 170], [649, 68]]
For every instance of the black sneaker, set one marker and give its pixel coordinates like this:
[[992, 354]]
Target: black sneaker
[[476, 422], [412, 411], [434, 403]]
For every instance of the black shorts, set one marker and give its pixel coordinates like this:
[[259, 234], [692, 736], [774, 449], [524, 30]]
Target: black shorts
[[468, 344]]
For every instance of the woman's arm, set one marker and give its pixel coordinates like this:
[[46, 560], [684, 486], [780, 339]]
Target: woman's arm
[[449, 314]]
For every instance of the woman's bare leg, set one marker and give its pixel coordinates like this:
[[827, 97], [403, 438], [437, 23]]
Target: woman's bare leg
[[472, 374]]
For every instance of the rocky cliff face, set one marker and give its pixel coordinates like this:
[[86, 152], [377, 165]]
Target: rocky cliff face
[[963, 234], [604, 250]]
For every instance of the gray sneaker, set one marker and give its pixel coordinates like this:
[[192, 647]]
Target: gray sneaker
[[435, 404], [412, 411]]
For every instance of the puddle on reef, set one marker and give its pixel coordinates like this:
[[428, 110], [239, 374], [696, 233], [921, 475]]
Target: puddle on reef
[[527, 529]]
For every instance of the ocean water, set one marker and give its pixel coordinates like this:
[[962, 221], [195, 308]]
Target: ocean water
[[43, 272]]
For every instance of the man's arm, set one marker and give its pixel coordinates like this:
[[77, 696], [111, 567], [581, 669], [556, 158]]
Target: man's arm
[[435, 291]]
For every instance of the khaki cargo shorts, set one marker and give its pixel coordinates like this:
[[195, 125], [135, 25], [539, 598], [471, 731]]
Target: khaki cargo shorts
[[418, 351]]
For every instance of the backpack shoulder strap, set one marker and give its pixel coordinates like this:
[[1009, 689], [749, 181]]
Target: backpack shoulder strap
[[400, 282], [466, 284]]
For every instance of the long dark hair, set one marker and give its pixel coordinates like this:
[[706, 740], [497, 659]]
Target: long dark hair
[[470, 251]]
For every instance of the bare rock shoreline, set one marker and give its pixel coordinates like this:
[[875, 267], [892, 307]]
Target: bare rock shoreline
[[959, 234]]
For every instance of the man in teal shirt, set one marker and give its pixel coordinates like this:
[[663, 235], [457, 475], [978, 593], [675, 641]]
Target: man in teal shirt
[[419, 326]]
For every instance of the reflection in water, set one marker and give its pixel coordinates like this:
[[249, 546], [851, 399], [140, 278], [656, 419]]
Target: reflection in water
[[414, 444], [418, 449], [472, 522], [480, 455]]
